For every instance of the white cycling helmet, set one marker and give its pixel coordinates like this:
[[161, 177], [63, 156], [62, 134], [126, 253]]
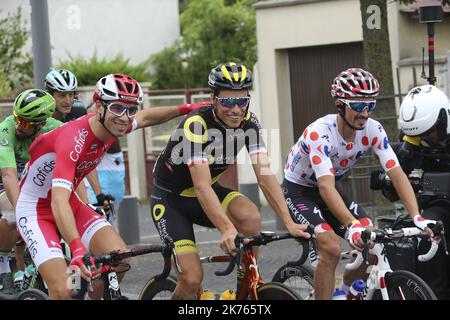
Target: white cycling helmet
[[424, 108], [119, 87], [61, 80]]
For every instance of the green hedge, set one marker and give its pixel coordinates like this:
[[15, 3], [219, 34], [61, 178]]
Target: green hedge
[[89, 71]]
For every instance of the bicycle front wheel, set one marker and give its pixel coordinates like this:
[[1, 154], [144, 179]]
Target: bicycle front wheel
[[33, 294], [405, 285], [276, 291], [299, 278], [161, 289]]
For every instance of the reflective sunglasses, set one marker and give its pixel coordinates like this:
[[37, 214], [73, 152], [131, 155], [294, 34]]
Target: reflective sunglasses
[[242, 102], [360, 106], [25, 123], [118, 109]]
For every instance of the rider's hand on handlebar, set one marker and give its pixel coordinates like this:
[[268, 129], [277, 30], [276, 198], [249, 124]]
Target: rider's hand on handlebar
[[298, 230], [426, 225], [227, 241], [104, 200], [78, 251], [353, 234]]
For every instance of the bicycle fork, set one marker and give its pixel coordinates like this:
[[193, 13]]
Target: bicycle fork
[[377, 278]]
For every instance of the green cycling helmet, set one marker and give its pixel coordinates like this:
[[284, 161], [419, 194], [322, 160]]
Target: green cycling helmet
[[34, 105]]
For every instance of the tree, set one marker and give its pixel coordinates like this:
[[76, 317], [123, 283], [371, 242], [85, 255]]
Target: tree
[[15, 64], [213, 31], [89, 71]]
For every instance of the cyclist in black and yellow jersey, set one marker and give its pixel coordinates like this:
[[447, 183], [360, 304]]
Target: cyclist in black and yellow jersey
[[186, 190]]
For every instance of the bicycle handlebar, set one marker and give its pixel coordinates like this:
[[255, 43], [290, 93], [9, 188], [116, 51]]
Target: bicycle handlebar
[[114, 258], [387, 235], [245, 244]]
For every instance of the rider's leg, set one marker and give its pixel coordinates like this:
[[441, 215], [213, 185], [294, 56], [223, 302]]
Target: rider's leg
[[54, 273], [174, 217], [105, 240], [324, 278], [8, 236], [245, 216], [19, 253], [190, 278], [99, 237]]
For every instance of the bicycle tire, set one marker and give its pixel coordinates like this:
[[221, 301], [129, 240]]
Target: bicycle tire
[[33, 294], [298, 277], [161, 289], [412, 287], [276, 291]]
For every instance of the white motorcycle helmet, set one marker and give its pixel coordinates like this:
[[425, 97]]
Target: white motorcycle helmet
[[424, 108]]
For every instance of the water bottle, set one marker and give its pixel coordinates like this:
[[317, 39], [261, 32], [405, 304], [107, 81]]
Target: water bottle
[[339, 295], [29, 272], [228, 295], [18, 279], [208, 295], [356, 290]]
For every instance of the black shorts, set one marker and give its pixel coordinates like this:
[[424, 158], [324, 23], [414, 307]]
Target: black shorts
[[174, 215], [307, 207]]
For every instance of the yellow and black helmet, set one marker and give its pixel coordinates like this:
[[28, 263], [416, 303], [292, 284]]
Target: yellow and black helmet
[[231, 76]]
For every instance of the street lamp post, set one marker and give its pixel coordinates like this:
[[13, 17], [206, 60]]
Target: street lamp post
[[40, 38]]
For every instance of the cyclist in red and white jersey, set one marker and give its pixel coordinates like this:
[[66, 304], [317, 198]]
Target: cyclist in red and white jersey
[[326, 150], [48, 207]]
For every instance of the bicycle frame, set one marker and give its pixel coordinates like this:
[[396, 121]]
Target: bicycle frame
[[251, 278], [377, 274], [376, 278], [249, 281]]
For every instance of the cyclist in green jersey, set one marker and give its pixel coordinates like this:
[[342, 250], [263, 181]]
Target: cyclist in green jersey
[[32, 113]]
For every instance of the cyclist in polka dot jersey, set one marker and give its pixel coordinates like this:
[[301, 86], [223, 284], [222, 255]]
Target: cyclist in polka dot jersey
[[321, 150], [325, 152]]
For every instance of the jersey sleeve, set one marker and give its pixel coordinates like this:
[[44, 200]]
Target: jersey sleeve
[[380, 146], [195, 139], [50, 125], [315, 140], [254, 140], [7, 142]]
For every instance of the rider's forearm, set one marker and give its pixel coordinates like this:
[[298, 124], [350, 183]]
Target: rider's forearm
[[154, 116], [64, 219], [404, 190], [82, 193], [213, 209], [274, 195], [11, 185], [92, 177]]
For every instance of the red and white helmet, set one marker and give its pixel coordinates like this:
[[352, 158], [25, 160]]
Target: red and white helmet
[[355, 82], [118, 87]]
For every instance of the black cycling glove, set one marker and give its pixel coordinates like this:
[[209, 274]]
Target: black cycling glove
[[101, 198]]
